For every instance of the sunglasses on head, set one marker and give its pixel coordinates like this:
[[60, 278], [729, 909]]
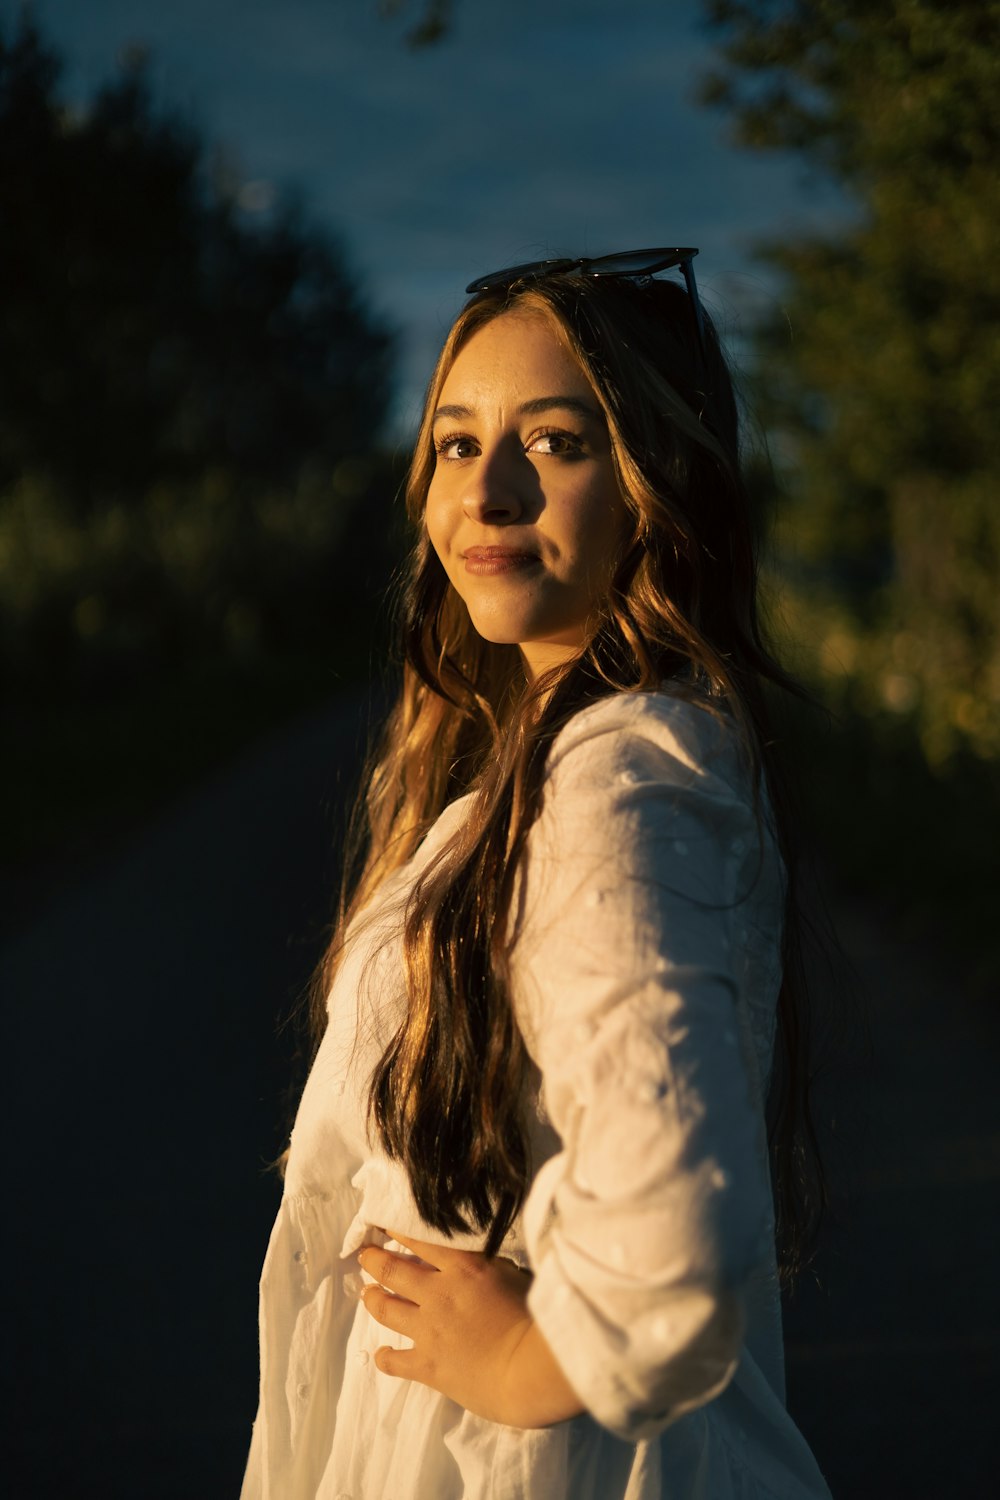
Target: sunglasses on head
[[623, 263]]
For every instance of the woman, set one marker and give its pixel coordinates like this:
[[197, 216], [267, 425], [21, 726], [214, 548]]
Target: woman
[[536, 1114]]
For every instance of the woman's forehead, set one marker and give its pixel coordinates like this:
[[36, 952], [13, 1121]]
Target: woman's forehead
[[514, 355]]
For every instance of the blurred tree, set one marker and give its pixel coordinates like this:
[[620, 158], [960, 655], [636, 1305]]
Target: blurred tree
[[194, 502], [147, 332], [887, 386]]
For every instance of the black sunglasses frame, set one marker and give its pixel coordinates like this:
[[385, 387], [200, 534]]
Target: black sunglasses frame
[[622, 263]]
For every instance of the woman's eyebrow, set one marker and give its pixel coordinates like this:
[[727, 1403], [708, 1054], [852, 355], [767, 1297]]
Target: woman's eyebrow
[[531, 408], [564, 403], [455, 412]]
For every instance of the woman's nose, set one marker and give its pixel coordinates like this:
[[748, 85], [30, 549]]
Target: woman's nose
[[494, 488]]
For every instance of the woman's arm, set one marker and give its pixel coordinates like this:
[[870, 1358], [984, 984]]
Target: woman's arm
[[538, 1391], [651, 909]]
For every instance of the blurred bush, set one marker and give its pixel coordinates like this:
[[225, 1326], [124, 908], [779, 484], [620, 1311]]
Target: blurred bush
[[95, 606], [192, 485], [879, 377]]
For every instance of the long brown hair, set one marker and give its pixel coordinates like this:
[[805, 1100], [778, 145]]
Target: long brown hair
[[446, 1096]]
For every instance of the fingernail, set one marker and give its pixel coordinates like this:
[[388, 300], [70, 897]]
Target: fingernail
[[361, 1257]]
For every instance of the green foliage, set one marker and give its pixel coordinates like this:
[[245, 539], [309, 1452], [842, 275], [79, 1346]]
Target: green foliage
[[147, 643], [883, 370], [191, 401], [104, 604]]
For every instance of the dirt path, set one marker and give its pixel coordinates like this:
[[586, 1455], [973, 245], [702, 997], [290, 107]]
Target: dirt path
[[143, 1093]]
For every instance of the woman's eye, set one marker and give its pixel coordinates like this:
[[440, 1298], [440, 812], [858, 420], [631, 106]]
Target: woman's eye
[[456, 447], [557, 444]]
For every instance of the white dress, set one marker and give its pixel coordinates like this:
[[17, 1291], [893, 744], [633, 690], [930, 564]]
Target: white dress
[[645, 971]]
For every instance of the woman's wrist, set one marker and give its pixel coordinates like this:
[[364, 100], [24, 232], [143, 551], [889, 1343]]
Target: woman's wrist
[[537, 1393]]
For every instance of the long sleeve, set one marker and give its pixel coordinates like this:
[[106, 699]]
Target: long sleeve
[[649, 902]]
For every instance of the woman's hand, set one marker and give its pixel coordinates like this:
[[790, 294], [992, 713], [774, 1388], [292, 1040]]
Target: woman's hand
[[473, 1337]]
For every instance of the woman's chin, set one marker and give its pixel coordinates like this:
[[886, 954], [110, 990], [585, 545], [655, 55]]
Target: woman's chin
[[557, 635]]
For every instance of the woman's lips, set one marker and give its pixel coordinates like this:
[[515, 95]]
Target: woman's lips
[[485, 560]]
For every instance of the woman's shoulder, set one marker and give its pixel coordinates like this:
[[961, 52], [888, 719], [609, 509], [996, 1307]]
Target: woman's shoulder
[[651, 736]]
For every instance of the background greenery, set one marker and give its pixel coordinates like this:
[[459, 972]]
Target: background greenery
[[193, 497], [194, 479], [880, 382]]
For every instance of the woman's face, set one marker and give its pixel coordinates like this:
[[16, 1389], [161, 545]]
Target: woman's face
[[524, 510]]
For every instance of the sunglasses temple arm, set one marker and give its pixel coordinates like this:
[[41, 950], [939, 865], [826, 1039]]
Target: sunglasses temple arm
[[699, 321]]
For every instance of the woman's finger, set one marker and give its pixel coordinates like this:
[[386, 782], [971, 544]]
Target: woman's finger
[[392, 1312], [398, 1273], [398, 1362]]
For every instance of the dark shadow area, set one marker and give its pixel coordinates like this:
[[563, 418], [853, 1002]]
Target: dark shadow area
[[148, 1088], [893, 1339]]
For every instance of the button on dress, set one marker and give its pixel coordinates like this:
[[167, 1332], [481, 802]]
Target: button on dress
[[645, 968]]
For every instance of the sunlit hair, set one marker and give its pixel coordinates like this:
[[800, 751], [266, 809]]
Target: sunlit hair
[[446, 1098]]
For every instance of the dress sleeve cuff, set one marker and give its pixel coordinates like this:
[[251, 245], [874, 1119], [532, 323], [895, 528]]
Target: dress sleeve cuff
[[680, 1354]]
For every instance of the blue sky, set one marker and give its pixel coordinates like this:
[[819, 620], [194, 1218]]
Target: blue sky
[[538, 126]]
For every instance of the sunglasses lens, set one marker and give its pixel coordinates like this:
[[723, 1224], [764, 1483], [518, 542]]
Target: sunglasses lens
[[637, 262]]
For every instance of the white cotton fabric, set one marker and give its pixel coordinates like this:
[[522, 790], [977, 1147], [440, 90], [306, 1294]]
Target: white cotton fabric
[[645, 971]]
